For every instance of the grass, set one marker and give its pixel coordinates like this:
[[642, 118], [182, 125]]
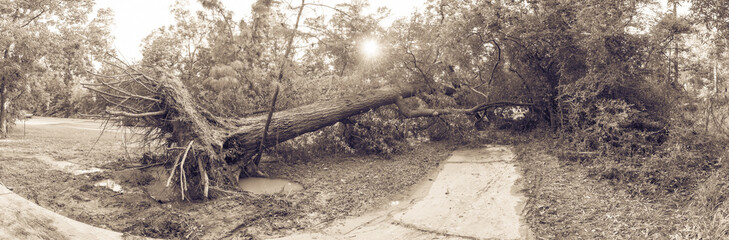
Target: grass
[[664, 196], [78, 141], [708, 210]]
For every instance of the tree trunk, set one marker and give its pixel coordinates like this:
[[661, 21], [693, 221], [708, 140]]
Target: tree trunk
[[3, 114], [291, 123], [231, 143]]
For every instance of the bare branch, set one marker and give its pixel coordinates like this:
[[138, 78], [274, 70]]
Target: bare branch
[[132, 94], [327, 6], [113, 76], [120, 104], [33, 19], [285, 60], [498, 60], [103, 93], [128, 94], [415, 64], [477, 91]]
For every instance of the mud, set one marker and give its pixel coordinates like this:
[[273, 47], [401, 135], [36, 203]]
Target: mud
[[40, 165], [22, 219]]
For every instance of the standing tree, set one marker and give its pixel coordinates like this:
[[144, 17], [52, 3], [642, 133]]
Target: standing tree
[[26, 34], [45, 46]]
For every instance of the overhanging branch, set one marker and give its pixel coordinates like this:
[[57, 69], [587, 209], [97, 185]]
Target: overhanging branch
[[424, 112], [427, 112]]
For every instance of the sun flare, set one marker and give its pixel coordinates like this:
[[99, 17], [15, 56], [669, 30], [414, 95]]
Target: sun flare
[[370, 48]]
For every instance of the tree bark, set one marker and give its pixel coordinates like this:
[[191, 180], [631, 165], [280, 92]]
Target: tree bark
[[294, 122], [3, 114]]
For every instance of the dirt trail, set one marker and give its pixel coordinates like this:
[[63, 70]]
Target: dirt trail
[[474, 196]]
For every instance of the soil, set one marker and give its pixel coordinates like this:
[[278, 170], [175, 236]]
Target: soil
[[56, 166]]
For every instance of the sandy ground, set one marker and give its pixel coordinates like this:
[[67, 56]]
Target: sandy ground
[[474, 196]]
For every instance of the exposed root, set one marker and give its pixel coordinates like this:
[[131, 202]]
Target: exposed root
[[169, 179], [204, 177], [183, 178]]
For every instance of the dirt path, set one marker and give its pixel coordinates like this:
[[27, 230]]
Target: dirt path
[[474, 196]]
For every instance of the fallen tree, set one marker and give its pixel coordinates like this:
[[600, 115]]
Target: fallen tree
[[224, 148]]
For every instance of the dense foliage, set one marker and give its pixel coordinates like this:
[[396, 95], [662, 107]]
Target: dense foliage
[[46, 48], [609, 75]]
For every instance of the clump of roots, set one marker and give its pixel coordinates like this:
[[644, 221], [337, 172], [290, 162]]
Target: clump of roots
[[169, 117]]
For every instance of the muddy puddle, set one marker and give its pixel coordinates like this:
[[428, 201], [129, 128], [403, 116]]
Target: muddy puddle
[[110, 184], [268, 185]]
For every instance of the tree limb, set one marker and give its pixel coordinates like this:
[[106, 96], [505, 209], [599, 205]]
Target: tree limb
[[268, 123], [33, 19], [424, 112], [427, 112]]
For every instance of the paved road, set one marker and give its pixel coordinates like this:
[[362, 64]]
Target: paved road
[[474, 196]]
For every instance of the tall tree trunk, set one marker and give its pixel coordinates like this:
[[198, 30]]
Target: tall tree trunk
[[3, 114], [710, 108], [676, 75]]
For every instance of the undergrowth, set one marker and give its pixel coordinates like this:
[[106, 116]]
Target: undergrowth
[[683, 180]]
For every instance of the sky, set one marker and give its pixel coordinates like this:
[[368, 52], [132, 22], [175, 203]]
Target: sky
[[133, 23]]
